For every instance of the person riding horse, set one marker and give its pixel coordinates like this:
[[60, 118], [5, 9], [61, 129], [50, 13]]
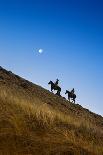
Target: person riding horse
[[71, 94], [56, 83], [54, 86], [72, 91]]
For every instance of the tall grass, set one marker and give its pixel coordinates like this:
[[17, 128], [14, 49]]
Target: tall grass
[[36, 121]]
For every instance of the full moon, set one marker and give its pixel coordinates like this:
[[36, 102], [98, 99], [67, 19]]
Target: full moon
[[40, 51]]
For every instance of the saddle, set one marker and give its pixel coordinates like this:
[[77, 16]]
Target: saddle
[[72, 94]]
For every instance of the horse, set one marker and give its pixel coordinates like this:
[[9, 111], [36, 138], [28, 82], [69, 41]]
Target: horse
[[55, 87], [70, 95]]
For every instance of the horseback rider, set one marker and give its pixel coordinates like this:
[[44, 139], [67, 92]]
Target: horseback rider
[[56, 83], [72, 91]]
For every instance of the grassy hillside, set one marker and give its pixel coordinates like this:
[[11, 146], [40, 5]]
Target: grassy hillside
[[34, 121]]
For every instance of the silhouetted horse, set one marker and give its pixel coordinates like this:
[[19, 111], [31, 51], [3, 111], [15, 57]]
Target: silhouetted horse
[[70, 95], [55, 87]]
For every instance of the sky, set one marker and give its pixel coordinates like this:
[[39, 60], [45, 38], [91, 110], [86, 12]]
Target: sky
[[70, 32]]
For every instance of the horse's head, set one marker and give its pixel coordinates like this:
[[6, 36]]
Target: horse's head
[[49, 82], [66, 92]]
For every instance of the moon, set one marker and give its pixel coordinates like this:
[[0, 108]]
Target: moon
[[40, 50]]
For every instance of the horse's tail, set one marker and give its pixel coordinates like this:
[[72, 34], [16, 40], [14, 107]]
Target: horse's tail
[[59, 89], [74, 95]]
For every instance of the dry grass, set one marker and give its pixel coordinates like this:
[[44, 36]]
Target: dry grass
[[29, 125]]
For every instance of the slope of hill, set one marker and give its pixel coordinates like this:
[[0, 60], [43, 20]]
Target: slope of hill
[[34, 121]]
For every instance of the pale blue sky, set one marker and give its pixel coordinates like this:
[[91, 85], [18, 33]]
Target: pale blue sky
[[71, 35]]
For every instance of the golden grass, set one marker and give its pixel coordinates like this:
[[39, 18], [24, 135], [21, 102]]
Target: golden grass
[[30, 126]]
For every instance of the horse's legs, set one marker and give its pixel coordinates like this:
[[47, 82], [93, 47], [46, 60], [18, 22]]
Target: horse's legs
[[58, 93], [69, 98], [51, 89], [74, 100]]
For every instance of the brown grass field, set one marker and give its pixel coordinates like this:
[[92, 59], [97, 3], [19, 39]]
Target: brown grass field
[[34, 121]]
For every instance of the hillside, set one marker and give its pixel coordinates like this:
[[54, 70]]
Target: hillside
[[34, 121]]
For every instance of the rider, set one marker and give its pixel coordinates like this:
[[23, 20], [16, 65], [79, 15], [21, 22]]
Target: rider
[[56, 83], [72, 91]]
